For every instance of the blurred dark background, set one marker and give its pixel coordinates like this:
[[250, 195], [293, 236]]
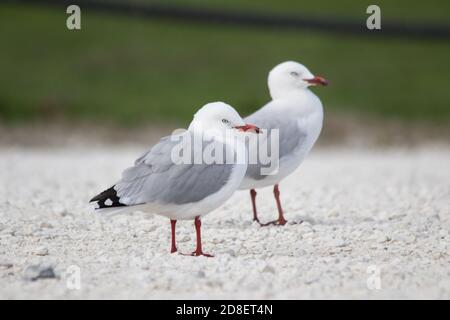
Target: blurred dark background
[[124, 70]]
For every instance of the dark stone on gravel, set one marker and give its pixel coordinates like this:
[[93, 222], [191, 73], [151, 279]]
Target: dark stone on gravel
[[37, 272]]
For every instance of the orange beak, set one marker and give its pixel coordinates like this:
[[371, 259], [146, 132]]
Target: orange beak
[[317, 81], [248, 127]]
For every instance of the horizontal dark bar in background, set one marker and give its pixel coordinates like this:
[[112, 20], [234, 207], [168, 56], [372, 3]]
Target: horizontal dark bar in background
[[265, 20]]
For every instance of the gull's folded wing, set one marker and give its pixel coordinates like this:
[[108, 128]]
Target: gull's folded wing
[[155, 178]]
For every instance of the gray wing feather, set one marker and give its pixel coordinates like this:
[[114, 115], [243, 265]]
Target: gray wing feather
[[291, 137], [155, 178]]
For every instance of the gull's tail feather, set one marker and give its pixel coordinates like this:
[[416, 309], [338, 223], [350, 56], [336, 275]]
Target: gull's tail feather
[[107, 199]]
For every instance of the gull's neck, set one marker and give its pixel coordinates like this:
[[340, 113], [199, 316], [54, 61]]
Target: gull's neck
[[298, 103], [292, 94], [207, 132], [228, 137]]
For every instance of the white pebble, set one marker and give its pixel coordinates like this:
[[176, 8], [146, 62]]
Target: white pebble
[[41, 251]]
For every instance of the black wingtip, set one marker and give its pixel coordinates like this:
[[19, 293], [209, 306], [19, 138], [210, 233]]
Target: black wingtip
[[109, 194]]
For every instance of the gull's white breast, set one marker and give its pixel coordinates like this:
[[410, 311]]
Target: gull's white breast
[[307, 111]]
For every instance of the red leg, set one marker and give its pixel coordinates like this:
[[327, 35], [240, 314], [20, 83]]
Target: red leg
[[174, 243], [281, 220], [255, 213], [198, 251]]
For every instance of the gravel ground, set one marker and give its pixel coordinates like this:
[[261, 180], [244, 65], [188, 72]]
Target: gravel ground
[[366, 213]]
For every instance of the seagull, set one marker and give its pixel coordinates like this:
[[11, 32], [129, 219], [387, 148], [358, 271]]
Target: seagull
[[298, 115], [180, 189]]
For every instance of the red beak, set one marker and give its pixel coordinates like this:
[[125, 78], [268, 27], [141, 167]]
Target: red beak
[[317, 80], [248, 127]]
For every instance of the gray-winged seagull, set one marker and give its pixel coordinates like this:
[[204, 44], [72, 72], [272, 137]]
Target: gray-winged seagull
[[298, 114], [179, 189]]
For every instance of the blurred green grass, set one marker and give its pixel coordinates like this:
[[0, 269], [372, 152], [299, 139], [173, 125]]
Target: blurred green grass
[[399, 10], [125, 70]]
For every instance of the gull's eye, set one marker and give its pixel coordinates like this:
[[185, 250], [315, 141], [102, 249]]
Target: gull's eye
[[225, 121], [294, 74]]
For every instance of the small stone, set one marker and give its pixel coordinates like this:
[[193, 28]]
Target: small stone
[[41, 251], [263, 256], [304, 223], [339, 243], [148, 227], [45, 225], [8, 231], [304, 230], [383, 238], [6, 265], [310, 278], [247, 223], [308, 235], [243, 251], [334, 213], [217, 241], [201, 274], [37, 272], [65, 213], [298, 220], [438, 255], [185, 239], [268, 268]]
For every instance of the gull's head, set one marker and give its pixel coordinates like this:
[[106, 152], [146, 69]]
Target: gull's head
[[219, 116], [290, 76]]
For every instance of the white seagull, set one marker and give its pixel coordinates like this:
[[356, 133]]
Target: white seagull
[[181, 190], [298, 115]]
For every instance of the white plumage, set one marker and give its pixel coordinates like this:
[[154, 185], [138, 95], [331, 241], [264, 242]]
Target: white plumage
[[298, 115], [160, 184]]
